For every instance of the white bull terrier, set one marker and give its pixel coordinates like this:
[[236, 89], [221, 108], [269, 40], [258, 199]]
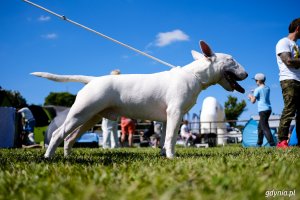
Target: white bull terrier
[[164, 96]]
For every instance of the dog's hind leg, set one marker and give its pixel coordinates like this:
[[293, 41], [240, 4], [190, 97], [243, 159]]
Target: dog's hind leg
[[56, 139], [72, 137], [75, 120], [173, 121]]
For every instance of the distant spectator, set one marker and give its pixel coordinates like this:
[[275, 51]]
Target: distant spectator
[[128, 129], [158, 128], [262, 96], [147, 133], [186, 133], [28, 122]]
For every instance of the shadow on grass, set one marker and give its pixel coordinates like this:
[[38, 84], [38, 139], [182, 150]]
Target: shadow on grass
[[96, 156], [80, 156]]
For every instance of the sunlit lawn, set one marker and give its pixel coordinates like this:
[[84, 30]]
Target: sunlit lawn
[[141, 173]]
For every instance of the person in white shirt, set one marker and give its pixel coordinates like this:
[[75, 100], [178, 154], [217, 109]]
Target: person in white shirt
[[28, 121], [186, 133], [288, 59]]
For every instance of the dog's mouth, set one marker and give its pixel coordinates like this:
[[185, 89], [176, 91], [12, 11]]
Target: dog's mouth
[[232, 80]]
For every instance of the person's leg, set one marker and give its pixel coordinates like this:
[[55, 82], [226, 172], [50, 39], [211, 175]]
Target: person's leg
[[30, 128], [157, 138], [31, 138], [131, 131], [185, 138], [130, 139], [289, 110], [297, 85], [266, 128], [123, 135], [114, 137], [186, 141], [260, 134], [105, 135]]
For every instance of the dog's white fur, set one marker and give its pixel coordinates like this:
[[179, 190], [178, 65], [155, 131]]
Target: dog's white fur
[[164, 96]]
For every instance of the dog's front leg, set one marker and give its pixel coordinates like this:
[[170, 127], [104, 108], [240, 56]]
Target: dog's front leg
[[173, 121]]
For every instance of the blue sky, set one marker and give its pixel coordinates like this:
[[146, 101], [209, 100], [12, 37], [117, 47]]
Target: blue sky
[[33, 40]]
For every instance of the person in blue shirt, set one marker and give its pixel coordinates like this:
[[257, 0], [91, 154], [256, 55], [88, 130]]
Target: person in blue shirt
[[261, 94]]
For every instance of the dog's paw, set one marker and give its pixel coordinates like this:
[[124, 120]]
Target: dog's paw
[[170, 155]]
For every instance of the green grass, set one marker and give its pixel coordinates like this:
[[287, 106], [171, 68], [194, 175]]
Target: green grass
[[39, 134], [141, 173]]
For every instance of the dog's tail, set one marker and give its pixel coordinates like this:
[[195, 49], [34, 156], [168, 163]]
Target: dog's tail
[[64, 78]]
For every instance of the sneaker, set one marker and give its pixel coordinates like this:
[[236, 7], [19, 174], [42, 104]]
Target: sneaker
[[283, 144]]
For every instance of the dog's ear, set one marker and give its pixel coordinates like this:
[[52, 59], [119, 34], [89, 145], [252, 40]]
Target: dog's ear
[[196, 55], [206, 49]]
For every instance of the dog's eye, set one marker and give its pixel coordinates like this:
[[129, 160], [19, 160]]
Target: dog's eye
[[230, 60], [233, 61]]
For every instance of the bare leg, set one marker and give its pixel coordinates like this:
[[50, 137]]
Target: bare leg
[[130, 139], [123, 137]]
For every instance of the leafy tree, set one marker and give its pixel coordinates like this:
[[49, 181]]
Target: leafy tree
[[60, 99], [233, 109], [11, 98]]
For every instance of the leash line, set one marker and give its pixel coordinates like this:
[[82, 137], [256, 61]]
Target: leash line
[[100, 34]]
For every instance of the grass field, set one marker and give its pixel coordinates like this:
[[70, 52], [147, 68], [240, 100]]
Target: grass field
[[141, 173]]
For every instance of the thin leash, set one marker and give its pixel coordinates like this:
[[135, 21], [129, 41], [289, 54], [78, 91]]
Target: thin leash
[[101, 34]]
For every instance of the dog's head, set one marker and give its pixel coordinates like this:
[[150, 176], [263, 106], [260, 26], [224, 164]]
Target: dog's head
[[230, 70]]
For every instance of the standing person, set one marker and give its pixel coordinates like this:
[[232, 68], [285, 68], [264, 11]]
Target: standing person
[[288, 59], [158, 128], [110, 128], [127, 129], [28, 122], [261, 94], [110, 134], [186, 133]]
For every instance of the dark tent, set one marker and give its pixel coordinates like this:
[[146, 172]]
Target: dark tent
[[249, 135], [41, 117]]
